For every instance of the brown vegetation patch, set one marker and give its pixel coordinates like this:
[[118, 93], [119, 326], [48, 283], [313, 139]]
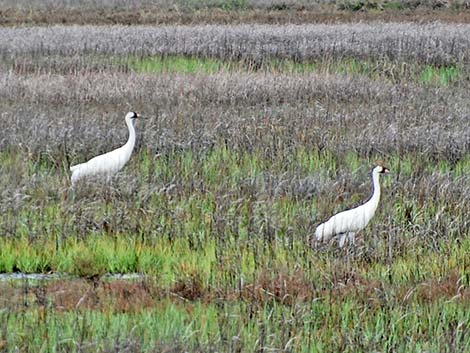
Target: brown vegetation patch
[[70, 295], [189, 289], [448, 288], [281, 286], [119, 295], [323, 14], [285, 288], [127, 296], [347, 284]]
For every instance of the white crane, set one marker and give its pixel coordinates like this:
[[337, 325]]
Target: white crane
[[109, 163], [347, 223]]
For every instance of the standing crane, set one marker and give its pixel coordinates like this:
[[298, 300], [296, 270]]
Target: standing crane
[[346, 224], [109, 163]]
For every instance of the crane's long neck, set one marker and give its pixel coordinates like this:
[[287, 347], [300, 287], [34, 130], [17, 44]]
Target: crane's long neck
[[374, 200], [129, 146]]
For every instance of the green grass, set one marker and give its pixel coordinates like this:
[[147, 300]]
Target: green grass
[[427, 74], [176, 64], [376, 69], [223, 238], [443, 76], [220, 226], [325, 325], [211, 213], [175, 260]]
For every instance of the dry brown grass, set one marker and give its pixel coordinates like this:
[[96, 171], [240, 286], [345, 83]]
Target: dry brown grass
[[247, 111], [148, 16], [280, 286], [66, 49], [448, 288]]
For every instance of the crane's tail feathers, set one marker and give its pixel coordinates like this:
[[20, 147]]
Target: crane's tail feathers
[[319, 232], [74, 167]]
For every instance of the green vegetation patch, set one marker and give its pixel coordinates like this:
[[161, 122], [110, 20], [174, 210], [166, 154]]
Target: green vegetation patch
[[176, 64], [214, 214], [427, 74], [222, 216], [329, 323], [442, 75]]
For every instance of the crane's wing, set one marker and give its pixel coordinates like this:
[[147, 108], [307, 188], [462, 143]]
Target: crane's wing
[[108, 163], [343, 222]]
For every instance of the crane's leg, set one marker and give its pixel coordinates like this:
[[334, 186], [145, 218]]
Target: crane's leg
[[351, 238], [342, 239], [341, 242], [70, 196], [108, 187], [352, 241], [72, 189]]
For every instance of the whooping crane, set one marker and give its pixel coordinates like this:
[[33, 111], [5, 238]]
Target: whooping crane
[[109, 163], [347, 223]]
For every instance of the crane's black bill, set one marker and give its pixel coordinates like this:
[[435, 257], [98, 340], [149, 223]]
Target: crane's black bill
[[138, 116], [385, 170]]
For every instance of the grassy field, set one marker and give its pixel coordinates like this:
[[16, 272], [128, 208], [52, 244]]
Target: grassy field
[[157, 12], [253, 137]]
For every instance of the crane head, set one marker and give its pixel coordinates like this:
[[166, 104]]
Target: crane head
[[132, 115], [382, 169], [385, 170]]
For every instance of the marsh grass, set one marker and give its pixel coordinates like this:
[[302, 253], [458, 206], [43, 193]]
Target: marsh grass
[[232, 171], [377, 70], [158, 12], [206, 208], [437, 44], [443, 76], [176, 64], [196, 327], [374, 69]]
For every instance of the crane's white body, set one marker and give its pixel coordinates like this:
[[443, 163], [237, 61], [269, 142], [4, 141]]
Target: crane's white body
[[109, 163], [347, 223]]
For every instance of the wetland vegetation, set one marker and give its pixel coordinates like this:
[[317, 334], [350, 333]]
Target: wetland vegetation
[[255, 135]]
